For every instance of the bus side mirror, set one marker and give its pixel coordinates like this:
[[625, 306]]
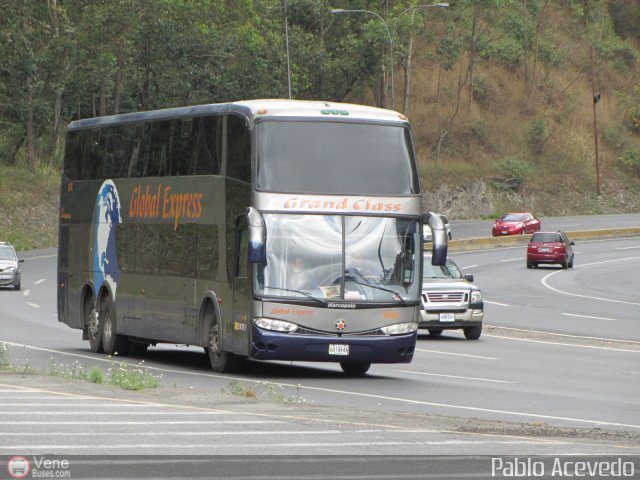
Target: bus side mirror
[[439, 235], [257, 236]]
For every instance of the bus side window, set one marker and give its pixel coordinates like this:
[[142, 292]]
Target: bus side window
[[92, 154], [159, 149], [206, 157], [184, 146], [238, 149], [73, 154]]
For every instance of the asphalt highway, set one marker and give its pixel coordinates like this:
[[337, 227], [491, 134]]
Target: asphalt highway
[[556, 371]]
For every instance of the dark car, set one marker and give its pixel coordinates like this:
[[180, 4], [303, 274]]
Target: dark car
[[516, 224], [9, 266], [550, 248]]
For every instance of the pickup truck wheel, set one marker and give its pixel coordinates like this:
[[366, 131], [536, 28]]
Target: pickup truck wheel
[[435, 332], [472, 333]]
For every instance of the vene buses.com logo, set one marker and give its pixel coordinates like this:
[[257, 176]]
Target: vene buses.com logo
[[18, 467]]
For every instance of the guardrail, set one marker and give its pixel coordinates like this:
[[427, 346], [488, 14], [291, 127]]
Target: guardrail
[[516, 240]]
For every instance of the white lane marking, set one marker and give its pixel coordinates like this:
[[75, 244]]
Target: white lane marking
[[626, 248], [456, 354], [42, 256], [453, 376], [26, 292], [155, 422], [34, 305], [470, 266], [38, 282], [546, 284], [496, 303], [588, 316], [297, 386], [260, 446], [207, 433], [561, 344], [93, 412], [583, 337], [519, 259]]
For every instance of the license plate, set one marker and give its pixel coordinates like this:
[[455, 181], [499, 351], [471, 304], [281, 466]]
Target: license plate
[[545, 249], [504, 232], [338, 349], [447, 317]]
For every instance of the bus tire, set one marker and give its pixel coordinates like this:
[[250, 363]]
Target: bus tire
[[355, 369], [93, 326], [220, 361], [112, 343]]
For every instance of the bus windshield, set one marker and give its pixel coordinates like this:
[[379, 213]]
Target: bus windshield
[[334, 158], [331, 257]]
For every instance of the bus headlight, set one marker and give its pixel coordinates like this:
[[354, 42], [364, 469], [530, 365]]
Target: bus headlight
[[400, 328], [275, 325]]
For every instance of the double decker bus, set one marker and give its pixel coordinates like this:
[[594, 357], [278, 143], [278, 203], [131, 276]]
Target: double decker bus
[[262, 229]]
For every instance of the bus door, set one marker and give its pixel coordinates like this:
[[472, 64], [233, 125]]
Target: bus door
[[241, 290]]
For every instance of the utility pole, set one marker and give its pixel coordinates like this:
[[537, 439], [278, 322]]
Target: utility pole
[[596, 99]]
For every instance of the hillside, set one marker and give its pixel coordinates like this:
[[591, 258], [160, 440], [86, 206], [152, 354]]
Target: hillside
[[500, 97]]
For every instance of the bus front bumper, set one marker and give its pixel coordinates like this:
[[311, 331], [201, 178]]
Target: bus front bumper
[[269, 345]]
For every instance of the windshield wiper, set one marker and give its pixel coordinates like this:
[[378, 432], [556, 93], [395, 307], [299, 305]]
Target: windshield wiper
[[396, 295], [308, 295]]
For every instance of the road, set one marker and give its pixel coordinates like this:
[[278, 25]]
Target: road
[[557, 370], [465, 229]]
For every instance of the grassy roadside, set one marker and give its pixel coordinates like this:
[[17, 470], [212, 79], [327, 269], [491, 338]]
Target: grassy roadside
[[119, 374], [29, 206]]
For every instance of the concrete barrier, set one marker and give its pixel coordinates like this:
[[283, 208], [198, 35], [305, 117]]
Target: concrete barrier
[[522, 240]]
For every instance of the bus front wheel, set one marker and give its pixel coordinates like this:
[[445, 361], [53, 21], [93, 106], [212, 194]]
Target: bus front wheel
[[354, 369], [221, 361]]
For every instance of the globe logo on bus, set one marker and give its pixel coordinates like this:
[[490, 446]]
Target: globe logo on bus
[[106, 216]]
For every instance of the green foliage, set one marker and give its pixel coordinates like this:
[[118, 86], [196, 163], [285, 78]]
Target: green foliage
[[536, 133], [513, 166], [5, 356], [630, 159], [128, 378], [95, 375]]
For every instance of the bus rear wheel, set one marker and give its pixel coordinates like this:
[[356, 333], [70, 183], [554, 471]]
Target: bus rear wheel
[[94, 328], [355, 369], [111, 342]]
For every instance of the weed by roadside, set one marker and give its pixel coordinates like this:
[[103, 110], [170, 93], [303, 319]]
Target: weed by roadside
[[266, 390], [123, 375], [127, 377]]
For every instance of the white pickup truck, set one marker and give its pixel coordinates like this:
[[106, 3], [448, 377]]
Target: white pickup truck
[[450, 300]]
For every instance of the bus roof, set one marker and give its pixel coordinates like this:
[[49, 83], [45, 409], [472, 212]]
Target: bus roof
[[253, 109]]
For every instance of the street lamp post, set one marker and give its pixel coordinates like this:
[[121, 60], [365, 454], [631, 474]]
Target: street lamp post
[[386, 26], [342, 10]]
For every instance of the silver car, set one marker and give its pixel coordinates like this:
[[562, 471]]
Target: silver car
[[9, 266], [426, 230], [450, 300]]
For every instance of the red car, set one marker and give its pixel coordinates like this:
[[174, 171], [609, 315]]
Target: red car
[[550, 247], [515, 224]]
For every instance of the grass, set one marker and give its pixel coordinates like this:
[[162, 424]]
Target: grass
[[270, 391], [29, 206], [121, 374]]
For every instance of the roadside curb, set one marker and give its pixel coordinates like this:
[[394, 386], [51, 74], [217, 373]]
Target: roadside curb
[[519, 240]]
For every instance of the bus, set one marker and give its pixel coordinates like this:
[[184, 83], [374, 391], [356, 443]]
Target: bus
[[260, 229]]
